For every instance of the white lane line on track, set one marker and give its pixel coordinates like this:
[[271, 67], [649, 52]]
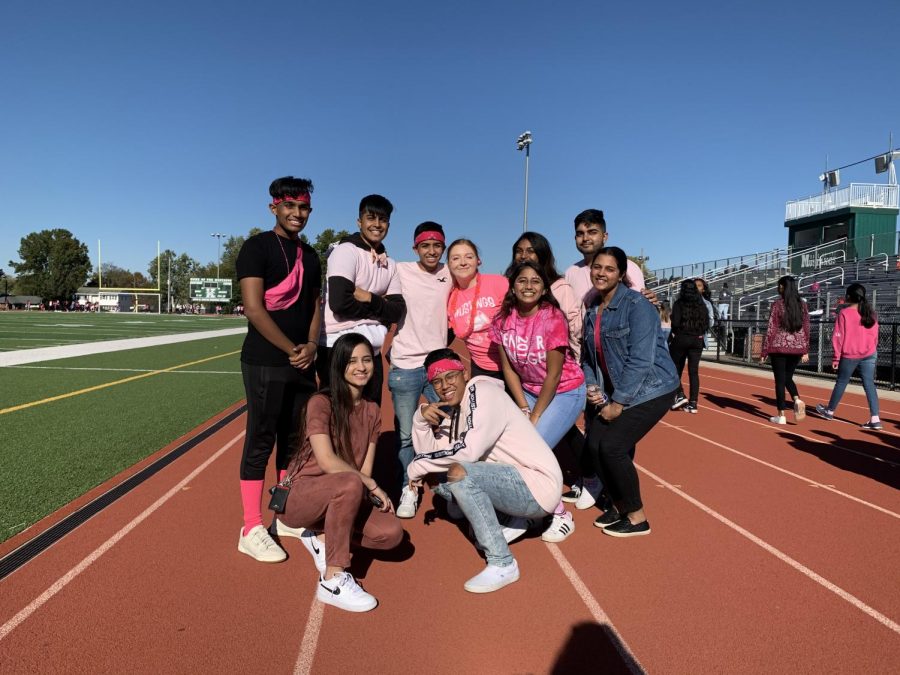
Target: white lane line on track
[[808, 481], [310, 638], [69, 576], [601, 617], [783, 557], [786, 430], [128, 370]]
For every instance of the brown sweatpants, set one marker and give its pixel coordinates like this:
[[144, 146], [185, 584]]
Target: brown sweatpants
[[336, 504]]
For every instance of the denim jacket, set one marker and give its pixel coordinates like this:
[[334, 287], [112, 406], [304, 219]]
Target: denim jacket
[[637, 358]]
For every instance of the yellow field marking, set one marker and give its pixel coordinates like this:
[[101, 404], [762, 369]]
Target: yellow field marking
[[112, 384]]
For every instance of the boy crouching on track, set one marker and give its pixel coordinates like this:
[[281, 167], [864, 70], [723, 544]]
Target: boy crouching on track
[[494, 460]]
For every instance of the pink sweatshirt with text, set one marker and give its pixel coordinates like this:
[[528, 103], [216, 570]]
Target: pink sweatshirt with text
[[491, 429]]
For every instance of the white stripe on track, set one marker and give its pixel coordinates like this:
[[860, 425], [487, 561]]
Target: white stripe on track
[[310, 638], [129, 370], [787, 472], [784, 429], [69, 576], [601, 617], [783, 557]]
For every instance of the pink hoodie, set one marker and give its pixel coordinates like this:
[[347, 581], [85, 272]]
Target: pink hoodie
[[491, 429], [851, 339]]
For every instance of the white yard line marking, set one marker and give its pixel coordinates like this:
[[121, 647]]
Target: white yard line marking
[[808, 481], [601, 617], [310, 638], [69, 576], [783, 557], [129, 370]]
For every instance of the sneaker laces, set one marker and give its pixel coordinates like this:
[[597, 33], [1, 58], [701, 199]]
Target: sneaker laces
[[261, 537]]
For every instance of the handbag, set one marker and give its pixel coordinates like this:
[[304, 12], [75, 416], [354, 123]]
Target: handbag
[[282, 489]]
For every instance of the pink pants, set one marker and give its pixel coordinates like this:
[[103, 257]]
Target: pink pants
[[336, 503]]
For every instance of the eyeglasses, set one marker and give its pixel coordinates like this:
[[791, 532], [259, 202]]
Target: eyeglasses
[[448, 378]]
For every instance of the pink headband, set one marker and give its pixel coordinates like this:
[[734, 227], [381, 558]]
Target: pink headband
[[425, 236], [443, 366], [304, 198]]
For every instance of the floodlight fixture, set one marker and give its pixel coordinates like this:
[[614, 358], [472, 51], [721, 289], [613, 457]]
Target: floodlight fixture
[[523, 141]]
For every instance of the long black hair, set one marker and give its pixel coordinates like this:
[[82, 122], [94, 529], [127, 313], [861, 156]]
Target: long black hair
[[338, 392], [856, 294], [693, 317], [542, 250], [509, 300], [618, 255], [792, 321]]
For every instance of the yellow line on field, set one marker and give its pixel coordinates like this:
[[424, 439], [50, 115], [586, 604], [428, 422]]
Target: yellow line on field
[[112, 384]]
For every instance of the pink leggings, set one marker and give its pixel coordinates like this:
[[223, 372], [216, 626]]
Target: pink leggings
[[336, 503]]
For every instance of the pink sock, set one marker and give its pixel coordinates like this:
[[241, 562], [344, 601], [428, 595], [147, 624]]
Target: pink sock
[[560, 509], [251, 496], [875, 418], [281, 474]]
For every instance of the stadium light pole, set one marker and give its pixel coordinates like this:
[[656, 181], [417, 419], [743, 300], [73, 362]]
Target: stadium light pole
[[218, 235], [524, 143]]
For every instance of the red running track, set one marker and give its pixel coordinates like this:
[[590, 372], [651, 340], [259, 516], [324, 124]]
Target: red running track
[[774, 549]]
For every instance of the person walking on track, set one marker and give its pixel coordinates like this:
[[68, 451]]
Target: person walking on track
[[786, 345]]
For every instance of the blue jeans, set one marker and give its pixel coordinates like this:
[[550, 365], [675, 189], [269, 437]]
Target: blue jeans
[[560, 415], [867, 375], [407, 385], [487, 488]]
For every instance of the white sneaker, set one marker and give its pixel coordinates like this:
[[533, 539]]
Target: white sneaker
[[515, 526], [453, 510], [409, 501], [560, 528], [343, 592], [493, 578], [316, 548], [778, 419], [590, 492], [259, 545]]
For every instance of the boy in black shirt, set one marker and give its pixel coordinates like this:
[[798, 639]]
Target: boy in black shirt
[[280, 284]]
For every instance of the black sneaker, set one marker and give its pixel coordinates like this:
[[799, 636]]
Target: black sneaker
[[680, 400], [691, 408], [872, 426], [624, 528], [610, 517]]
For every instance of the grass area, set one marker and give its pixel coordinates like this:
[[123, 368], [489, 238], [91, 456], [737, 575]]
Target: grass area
[[55, 451], [30, 330]]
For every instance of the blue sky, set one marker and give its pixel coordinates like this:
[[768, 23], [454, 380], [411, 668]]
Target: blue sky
[[689, 124]]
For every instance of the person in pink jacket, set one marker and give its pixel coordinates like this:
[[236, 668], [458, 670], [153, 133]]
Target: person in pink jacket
[[855, 342], [493, 458]]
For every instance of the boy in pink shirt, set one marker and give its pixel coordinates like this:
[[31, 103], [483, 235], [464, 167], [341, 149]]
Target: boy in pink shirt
[[493, 458], [425, 285], [362, 288]]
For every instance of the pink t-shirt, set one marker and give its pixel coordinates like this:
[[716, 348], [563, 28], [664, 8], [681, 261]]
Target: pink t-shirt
[[579, 277], [526, 341], [378, 276], [424, 326], [573, 308], [474, 329]]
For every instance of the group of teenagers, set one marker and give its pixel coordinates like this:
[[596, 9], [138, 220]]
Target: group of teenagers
[[543, 348]]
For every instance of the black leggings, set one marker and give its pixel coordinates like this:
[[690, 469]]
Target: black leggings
[[783, 365], [611, 445], [275, 398], [688, 347]]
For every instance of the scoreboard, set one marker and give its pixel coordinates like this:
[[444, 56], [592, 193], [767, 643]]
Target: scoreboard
[[210, 290]]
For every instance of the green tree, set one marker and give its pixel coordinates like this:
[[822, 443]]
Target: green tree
[[182, 268], [324, 239], [54, 264]]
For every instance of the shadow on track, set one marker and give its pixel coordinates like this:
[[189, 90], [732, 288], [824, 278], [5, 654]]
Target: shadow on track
[[865, 463], [594, 648]]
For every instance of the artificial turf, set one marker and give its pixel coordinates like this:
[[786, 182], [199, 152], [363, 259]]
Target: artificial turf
[[53, 452]]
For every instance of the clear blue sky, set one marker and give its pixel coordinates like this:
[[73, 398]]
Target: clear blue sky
[[689, 124]]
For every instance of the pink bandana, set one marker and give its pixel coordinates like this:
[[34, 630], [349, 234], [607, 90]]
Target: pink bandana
[[303, 199], [425, 236], [443, 366]]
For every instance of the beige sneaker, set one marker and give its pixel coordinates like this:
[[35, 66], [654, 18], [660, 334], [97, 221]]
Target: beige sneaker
[[799, 410], [259, 545]]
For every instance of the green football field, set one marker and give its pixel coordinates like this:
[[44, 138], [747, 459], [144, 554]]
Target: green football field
[[29, 330], [70, 424]]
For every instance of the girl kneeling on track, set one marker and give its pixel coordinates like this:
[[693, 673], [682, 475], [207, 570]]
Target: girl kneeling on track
[[624, 352], [333, 495], [541, 374], [855, 342]]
